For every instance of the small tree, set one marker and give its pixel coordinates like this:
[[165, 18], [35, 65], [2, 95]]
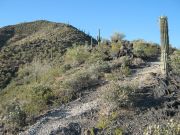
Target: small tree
[[116, 37]]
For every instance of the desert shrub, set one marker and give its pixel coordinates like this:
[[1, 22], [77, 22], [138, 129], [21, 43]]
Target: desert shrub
[[116, 63], [125, 70], [77, 55], [80, 81], [118, 74], [118, 96], [175, 62], [42, 94], [99, 53], [115, 48], [41, 97], [170, 127], [116, 37], [103, 122], [65, 67], [32, 72], [119, 68], [106, 124], [64, 96], [16, 117], [100, 67], [72, 87], [126, 61], [144, 50]]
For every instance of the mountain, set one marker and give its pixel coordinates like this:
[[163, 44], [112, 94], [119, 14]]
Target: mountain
[[20, 44]]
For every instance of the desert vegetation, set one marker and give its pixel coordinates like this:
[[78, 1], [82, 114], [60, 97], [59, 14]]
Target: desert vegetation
[[47, 65]]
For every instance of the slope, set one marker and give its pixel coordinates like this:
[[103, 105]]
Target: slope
[[20, 44]]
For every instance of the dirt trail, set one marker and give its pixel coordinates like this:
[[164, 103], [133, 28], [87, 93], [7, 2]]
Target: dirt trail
[[141, 76], [74, 111]]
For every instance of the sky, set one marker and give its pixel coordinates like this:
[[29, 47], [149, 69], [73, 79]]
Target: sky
[[137, 19]]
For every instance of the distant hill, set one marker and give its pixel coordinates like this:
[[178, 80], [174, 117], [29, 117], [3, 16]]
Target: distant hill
[[21, 43]]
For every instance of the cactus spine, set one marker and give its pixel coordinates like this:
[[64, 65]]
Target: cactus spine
[[164, 44]]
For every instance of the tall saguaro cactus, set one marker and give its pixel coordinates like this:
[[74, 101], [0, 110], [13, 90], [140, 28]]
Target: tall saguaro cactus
[[164, 44], [99, 37]]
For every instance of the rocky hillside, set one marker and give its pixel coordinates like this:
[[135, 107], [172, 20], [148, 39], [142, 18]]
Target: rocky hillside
[[21, 43], [53, 83]]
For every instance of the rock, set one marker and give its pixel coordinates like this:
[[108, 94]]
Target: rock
[[71, 129]]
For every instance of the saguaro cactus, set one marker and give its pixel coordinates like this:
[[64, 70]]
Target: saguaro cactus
[[99, 37], [91, 42], [164, 44]]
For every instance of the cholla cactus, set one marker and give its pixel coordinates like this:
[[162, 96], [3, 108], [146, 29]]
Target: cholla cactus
[[164, 44]]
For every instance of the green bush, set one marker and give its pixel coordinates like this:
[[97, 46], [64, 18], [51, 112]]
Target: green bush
[[33, 72], [125, 70], [80, 81], [144, 50], [126, 62], [42, 94], [106, 124], [77, 55], [99, 53], [100, 67], [72, 87], [41, 97]]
